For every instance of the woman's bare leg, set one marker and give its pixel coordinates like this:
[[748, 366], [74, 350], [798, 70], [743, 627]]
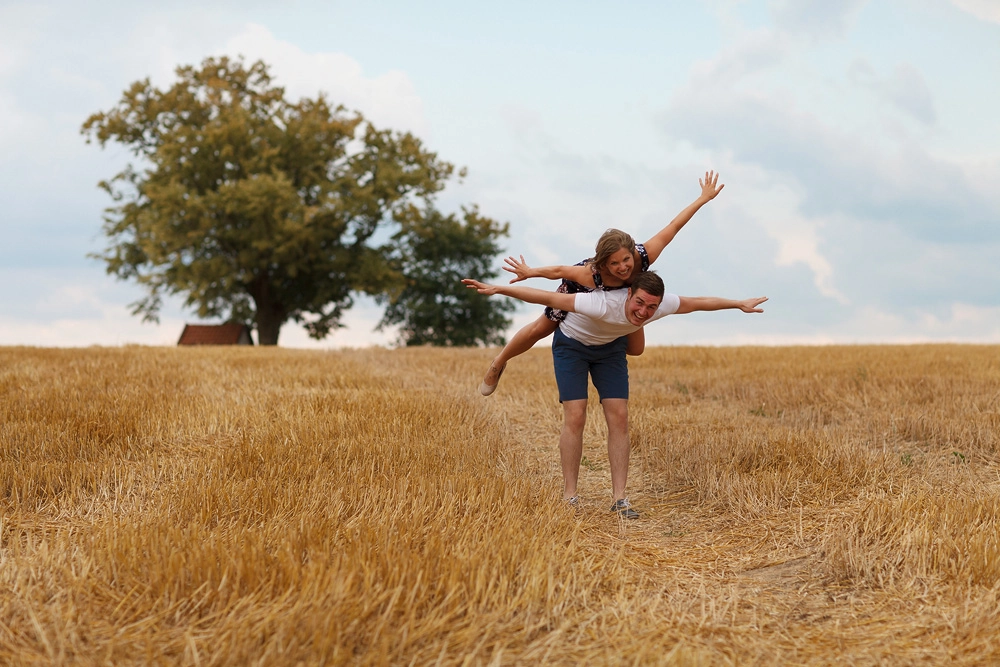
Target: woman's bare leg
[[522, 341]]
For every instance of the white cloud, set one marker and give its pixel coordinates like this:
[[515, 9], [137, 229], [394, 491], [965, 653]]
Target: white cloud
[[840, 172], [20, 25], [522, 121], [905, 89], [17, 127], [963, 323], [814, 18], [73, 299], [842, 186], [10, 56], [798, 243], [359, 330], [755, 52], [83, 333], [812, 165], [107, 324], [159, 38], [986, 10], [69, 309], [771, 205], [19, 31], [389, 100]]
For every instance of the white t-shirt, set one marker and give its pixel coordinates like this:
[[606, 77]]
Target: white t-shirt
[[599, 316]]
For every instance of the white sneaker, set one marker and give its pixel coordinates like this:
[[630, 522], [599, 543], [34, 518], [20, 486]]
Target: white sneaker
[[624, 509]]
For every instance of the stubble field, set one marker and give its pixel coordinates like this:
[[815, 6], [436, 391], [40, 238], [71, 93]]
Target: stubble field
[[266, 506]]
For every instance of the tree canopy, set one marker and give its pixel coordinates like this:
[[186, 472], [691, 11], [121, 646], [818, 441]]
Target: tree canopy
[[434, 252], [256, 208]]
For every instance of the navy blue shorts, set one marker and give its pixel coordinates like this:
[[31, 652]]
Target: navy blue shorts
[[605, 364]]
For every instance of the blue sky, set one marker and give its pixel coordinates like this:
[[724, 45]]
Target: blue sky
[[858, 142]]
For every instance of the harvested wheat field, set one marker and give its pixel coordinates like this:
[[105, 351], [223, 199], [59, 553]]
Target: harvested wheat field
[[267, 506]]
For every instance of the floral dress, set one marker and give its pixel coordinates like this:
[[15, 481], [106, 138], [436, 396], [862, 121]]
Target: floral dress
[[572, 287]]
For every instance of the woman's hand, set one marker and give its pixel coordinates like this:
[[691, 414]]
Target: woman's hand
[[519, 268], [708, 186]]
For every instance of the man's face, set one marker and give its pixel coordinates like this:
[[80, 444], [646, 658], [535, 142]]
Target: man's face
[[640, 307]]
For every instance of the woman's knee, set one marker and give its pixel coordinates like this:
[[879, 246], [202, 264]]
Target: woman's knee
[[542, 327]]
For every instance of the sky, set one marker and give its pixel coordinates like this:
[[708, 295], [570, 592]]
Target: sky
[[858, 142]]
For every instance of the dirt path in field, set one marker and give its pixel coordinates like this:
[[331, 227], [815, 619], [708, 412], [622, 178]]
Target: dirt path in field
[[765, 573], [765, 577], [768, 573]]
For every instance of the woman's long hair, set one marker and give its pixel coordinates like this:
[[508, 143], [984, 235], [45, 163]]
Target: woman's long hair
[[610, 242]]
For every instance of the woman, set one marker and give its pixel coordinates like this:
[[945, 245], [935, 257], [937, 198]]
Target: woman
[[617, 259]]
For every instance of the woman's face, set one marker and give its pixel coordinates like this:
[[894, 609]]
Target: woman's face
[[620, 264]]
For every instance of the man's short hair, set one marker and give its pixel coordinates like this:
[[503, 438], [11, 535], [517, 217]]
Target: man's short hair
[[648, 282]]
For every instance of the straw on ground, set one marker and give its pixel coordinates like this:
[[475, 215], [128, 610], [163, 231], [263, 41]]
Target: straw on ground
[[266, 506]]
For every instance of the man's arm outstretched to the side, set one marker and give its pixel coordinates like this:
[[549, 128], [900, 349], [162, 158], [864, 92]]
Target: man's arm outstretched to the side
[[693, 304], [556, 300], [567, 302]]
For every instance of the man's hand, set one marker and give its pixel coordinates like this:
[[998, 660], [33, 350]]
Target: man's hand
[[482, 288], [750, 305], [708, 186], [519, 268]]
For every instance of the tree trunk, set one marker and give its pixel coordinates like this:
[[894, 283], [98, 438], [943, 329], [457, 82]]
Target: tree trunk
[[268, 327], [270, 316]]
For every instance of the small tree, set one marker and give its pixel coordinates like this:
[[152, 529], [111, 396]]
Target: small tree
[[435, 252], [258, 209]]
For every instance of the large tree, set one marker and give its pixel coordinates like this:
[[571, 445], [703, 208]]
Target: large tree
[[433, 253], [256, 208]]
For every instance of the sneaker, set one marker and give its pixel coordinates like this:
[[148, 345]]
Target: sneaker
[[572, 502], [487, 389], [624, 509]]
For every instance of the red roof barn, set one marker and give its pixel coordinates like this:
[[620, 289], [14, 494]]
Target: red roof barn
[[215, 334]]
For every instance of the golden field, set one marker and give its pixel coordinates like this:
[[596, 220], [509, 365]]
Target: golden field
[[265, 506]]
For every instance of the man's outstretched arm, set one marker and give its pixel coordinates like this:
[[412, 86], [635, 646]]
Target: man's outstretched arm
[[691, 304], [556, 300]]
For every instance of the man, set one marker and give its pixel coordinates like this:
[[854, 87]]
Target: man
[[592, 342]]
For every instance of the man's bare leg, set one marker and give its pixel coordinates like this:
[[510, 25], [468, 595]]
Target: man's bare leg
[[571, 444], [522, 341], [616, 414]]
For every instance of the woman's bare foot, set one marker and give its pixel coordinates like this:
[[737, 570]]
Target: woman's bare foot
[[491, 380]]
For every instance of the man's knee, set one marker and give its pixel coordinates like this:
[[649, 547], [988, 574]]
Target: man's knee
[[575, 415], [616, 411]]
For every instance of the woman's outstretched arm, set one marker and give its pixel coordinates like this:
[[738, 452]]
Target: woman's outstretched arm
[[521, 271], [709, 190]]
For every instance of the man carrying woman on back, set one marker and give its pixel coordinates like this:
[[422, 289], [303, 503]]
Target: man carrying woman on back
[[617, 261]]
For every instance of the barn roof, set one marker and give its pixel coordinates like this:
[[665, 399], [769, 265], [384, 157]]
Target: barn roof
[[215, 334]]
